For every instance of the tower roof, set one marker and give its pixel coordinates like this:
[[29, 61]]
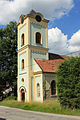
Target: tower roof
[[32, 14]]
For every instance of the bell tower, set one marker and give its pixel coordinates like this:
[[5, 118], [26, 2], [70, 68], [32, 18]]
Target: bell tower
[[32, 43]]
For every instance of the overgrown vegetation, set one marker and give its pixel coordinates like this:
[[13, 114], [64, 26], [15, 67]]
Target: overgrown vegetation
[[47, 106], [8, 56], [68, 83]]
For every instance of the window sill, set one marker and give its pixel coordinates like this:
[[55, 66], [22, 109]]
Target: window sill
[[22, 45], [53, 95], [38, 43]]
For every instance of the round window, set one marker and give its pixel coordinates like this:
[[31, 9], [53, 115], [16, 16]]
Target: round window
[[38, 18]]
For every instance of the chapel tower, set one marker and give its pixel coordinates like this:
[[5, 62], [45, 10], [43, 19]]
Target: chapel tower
[[32, 43]]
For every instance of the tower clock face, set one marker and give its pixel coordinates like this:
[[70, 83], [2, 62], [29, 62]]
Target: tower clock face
[[38, 18]]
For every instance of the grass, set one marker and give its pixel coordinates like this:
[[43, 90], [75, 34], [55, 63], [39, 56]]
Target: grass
[[47, 106]]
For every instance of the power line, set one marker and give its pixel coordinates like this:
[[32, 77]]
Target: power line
[[73, 52]]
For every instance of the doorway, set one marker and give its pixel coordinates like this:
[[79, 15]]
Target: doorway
[[22, 95]]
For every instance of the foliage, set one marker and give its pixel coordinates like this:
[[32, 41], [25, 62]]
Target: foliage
[[68, 82], [8, 55], [11, 98]]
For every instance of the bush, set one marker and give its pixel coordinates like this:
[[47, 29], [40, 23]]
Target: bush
[[68, 82], [11, 98]]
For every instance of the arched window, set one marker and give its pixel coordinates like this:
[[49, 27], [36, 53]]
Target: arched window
[[38, 38], [22, 63], [38, 90], [22, 39], [53, 87], [22, 80]]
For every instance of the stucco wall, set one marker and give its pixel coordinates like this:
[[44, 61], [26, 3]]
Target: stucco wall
[[32, 89], [36, 67], [37, 55], [23, 56], [38, 79], [23, 73], [37, 28], [47, 79], [21, 31]]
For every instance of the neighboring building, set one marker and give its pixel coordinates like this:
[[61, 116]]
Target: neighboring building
[[36, 79]]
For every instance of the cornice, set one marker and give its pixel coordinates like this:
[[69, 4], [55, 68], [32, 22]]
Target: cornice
[[32, 17], [36, 73], [33, 48], [38, 48]]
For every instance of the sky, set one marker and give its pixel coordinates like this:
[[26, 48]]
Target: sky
[[63, 16]]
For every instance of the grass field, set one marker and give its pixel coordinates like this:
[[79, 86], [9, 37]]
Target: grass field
[[47, 106]]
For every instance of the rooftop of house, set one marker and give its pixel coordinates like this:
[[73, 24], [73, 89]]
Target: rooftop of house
[[50, 65]]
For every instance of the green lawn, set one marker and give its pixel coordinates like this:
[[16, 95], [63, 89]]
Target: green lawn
[[47, 106]]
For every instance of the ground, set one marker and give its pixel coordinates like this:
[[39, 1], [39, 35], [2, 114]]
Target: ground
[[48, 106], [7, 113]]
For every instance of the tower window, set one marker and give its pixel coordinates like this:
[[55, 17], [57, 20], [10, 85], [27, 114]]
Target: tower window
[[53, 87], [38, 90], [22, 80], [22, 39], [22, 63], [38, 18], [38, 38]]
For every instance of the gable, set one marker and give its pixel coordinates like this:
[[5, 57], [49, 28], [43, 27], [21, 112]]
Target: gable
[[49, 66], [36, 67]]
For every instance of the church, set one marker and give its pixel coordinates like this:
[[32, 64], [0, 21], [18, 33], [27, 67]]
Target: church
[[36, 76]]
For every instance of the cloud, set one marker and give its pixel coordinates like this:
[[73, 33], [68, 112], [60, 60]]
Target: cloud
[[74, 42], [59, 43], [51, 9]]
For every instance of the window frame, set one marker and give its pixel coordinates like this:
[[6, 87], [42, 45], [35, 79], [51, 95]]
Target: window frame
[[41, 38], [53, 89]]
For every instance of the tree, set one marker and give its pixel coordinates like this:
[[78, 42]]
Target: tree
[[68, 82], [8, 54]]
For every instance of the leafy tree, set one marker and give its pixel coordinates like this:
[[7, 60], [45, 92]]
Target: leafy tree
[[8, 54], [68, 82]]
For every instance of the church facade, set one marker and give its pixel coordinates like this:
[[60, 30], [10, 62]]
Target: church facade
[[36, 77]]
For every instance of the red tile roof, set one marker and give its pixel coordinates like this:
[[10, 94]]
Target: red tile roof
[[49, 65]]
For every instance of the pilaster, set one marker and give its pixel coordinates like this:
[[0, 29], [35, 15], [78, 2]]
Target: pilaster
[[28, 76], [28, 31]]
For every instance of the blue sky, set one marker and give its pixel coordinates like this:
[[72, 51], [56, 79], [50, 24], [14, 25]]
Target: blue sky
[[69, 24], [64, 16]]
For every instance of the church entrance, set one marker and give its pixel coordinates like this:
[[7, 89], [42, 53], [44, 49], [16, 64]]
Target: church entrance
[[22, 95]]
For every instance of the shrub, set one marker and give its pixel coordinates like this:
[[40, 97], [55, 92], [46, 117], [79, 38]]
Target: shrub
[[11, 98], [68, 82]]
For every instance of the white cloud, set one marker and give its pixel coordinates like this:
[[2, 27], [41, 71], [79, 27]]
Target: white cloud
[[74, 42], [51, 9], [59, 43]]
